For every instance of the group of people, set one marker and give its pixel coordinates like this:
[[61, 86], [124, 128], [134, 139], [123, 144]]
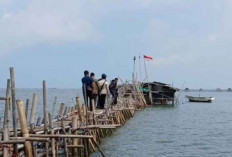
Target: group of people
[[98, 90]]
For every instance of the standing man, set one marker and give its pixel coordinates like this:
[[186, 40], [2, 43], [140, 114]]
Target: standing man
[[89, 88], [103, 91], [96, 85], [114, 91]]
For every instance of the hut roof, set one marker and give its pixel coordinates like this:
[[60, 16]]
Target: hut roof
[[161, 84]]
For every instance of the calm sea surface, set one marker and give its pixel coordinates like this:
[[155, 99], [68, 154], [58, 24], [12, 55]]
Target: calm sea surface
[[186, 130]]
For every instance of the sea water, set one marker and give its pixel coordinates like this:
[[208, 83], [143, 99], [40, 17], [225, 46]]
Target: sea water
[[184, 130]]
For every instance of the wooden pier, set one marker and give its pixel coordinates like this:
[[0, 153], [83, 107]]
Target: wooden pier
[[73, 131]]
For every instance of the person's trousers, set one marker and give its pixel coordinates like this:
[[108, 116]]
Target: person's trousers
[[102, 100], [88, 99], [114, 96], [95, 96]]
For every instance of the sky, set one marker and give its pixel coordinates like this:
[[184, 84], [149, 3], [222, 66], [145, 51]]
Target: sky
[[56, 40]]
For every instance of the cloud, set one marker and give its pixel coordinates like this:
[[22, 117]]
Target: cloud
[[44, 22]]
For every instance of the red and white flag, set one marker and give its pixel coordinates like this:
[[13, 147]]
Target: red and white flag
[[147, 57]]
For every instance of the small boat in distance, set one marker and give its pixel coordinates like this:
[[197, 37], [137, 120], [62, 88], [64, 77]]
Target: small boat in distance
[[200, 99]]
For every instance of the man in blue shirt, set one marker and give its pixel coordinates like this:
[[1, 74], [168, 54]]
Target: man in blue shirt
[[89, 87]]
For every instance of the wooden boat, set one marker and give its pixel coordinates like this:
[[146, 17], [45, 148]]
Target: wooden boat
[[200, 99]]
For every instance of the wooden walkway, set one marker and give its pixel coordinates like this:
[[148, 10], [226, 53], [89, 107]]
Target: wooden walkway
[[73, 131]]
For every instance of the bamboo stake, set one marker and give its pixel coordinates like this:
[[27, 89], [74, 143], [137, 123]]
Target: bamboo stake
[[65, 111], [7, 104], [13, 106], [6, 138], [75, 141], [93, 109], [61, 109], [38, 121], [23, 123], [64, 139], [45, 114], [86, 104], [79, 108], [54, 106], [33, 108], [27, 107], [52, 132], [69, 110], [84, 112]]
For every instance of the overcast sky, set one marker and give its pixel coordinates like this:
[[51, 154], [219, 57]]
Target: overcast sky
[[56, 40]]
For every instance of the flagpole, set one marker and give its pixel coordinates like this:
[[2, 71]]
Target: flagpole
[[140, 69], [145, 70], [134, 70]]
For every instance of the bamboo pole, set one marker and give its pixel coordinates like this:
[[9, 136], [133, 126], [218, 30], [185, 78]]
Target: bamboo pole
[[93, 105], [13, 106], [65, 111], [54, 106], [75, 141], [23, 123], [7, 104], [69, 110], [64, 139], [61, 109], [12, 142], [6, 118], [30, 139], [38, 121], [84, 112], [3, 98], [93, 109], [45, 114], [60, 136], [86, 104], [79, 108], [52, 132], [27, 107], [32, 117], [6, 138]]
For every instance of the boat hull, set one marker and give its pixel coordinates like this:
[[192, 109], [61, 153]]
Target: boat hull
[[200, 99]]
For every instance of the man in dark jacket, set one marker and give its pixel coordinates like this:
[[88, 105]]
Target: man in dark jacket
[[114, 90], [88, 83]]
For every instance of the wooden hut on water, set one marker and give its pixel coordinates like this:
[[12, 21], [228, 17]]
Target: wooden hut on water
[[159, 93]]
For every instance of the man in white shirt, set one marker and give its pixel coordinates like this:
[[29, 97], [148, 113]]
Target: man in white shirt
[[103, 91]]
